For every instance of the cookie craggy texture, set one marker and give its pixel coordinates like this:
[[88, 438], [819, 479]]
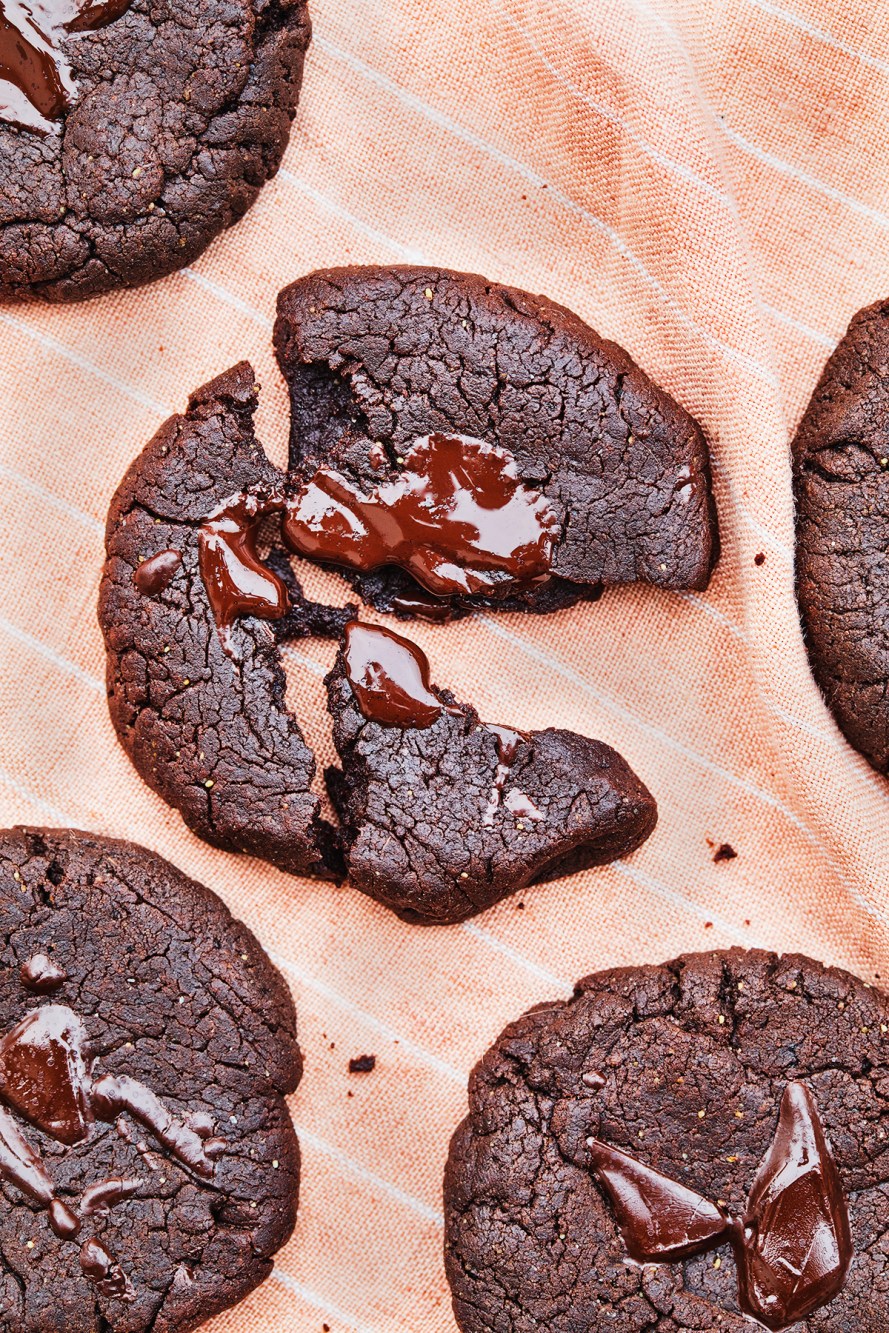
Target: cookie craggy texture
[[684, 1067], [413, 808], [174, 993], [207, 727], [841, 457], [383, 356], [182, 113]]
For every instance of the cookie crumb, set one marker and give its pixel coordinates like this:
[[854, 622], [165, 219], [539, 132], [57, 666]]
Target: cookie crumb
[[362, 1064], [725, 852], [759, 558]]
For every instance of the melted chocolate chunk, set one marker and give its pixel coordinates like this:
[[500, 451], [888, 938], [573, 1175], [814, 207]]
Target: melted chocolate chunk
[[793, 1248], [797, 1244], [100, 1268], [237, 581], [457, 517], [36, 83], [41, 975], [20, 1166], [107, 1194], [44, 1075], [659, 1219], [112, 1094], [156, 573], [390, 677], [508, 742]]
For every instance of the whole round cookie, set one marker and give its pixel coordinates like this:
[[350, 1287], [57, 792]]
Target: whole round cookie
[[133, 132], [841, 480], [699, 1145], [148, 1163]]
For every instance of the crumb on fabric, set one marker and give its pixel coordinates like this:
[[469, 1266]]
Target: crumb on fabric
[[362, 1064], [759, 558], [724, 852]]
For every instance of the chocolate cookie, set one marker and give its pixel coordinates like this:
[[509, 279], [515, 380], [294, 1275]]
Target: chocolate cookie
[[195, 685], [412, 388], [444, 815], [149, 1167], [693, 1146], [132, 133], [840, 459]]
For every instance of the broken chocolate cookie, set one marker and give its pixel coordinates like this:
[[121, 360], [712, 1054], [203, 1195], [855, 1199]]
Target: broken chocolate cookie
[[484, 444], [444, 815], [131, 134], [685, 1147], [841, 479], [195, 684], [149, 1167]]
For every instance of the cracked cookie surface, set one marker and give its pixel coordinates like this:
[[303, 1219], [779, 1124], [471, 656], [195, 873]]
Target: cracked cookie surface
[[441, 820], [841, 479], [377, 358], [204, 720], [683, 1067], [147, 1048], [181, 114]]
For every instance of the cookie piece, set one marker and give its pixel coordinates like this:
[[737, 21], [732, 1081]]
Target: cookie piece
[[840, 462], [443, 815], [689, 1146], [380, 360], [131, 134], [197, 700], [149, 1166]]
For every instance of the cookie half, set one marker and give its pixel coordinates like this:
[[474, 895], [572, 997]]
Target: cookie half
[[197, 702], [148, 1162], [841, 480], [443, 815], [699, 1145], [131, 134], [382, 360]]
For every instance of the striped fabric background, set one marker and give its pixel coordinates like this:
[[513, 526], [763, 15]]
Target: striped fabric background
[[702, 180]]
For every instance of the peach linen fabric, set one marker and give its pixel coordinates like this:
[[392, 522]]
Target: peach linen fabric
[[703, 182]]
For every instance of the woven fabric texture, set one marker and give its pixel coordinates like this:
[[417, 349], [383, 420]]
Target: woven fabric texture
[[701, 180]]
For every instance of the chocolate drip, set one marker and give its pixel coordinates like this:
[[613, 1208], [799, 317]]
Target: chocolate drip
[[457, 517], [508, 742], [390, 677], [797, 1243], [659, 1219], [237, 582], [36, 83], [100, 1268], [107, 1194], [20, 1166], [43, 1073], [793, 1248], [41, 975], [520, 805], [115, 1093], [156, 573], [424, 606]]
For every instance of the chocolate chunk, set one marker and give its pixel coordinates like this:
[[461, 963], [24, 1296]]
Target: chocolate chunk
[[41, 975], [443, 816], [144, 1131], [715, 1174], [201, 713], [840, 461], [379, 358], [132, 134]]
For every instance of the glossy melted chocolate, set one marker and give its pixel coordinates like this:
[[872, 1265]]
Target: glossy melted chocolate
[[389, 676], [37, 86], [457, 516], [793, 1247], [41, 975], [156, 573], [46, 1077]]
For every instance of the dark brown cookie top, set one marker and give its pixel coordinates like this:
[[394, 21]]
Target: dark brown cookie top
[[149, 1166], [379, 358], [442, 815], [698, 1071], [201, 713], [841, 477], [167, 122]]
